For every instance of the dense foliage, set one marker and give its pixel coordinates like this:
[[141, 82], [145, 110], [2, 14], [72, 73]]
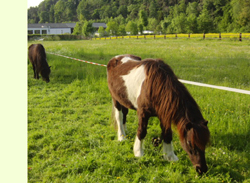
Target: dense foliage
[[167, 16]]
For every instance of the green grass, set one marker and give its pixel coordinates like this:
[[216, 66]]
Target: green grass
[[71, 137]]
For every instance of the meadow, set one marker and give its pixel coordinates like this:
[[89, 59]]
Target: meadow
[[71, 137]]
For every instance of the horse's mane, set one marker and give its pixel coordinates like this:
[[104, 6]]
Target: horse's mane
[[173, 103]]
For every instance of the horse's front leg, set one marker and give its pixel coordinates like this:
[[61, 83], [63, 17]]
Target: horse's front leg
[[141, 133], [118, 112], [168, 149], [124, 113]]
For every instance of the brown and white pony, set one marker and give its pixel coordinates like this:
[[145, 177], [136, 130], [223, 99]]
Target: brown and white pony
[[37, 57], [151, 87]]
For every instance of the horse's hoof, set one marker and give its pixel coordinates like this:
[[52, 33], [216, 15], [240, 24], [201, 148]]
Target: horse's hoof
[[121, 138], [138, 154], [171, 157]]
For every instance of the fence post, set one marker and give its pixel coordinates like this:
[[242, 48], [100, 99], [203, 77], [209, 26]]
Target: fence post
[[219, 36], [164, 36], [144, 36], [136, 37], [204, 36], [188, 35], [176, 36], [240, 38], [154, 36]]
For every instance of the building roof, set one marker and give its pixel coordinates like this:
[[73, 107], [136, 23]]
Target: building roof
[[97, 25], [52, 25]]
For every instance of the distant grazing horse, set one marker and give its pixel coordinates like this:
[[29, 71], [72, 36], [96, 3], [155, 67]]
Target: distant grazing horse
[[37, 57], [151, 87]]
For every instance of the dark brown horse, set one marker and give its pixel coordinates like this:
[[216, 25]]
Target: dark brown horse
[[151, 87], [37, 57]]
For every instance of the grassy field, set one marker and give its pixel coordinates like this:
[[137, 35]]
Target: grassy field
[[71, 137]]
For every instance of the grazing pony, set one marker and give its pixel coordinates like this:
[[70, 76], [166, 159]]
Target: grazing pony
[[151, 87], [37, 57]]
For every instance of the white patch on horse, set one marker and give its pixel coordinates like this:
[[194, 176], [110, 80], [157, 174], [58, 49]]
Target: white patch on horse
[[138, 151], [120, 126], [133, 82], [117, 56], [126, 59], [168, 152]]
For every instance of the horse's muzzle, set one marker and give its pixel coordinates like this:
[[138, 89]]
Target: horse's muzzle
[[200, 170]]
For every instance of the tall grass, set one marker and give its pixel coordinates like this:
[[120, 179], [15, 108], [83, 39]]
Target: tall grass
[[70, 136]]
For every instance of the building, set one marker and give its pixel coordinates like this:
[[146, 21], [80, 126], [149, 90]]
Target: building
[[57, 28], [51, 28], [97, 25]]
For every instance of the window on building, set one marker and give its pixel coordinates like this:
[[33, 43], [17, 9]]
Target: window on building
[[37, 31], [30, 31], [44, 31]]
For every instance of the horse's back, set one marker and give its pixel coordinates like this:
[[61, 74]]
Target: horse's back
[[37, 54]]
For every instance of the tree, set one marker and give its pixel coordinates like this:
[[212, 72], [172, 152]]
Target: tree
[[133, 11], [152, 10], [140, 28], [51, 14], [32, 15], [152, 24], [43, 17], [59, 9], [241, 9], [83, 10], [78, 28], [132, 28], [143, 18], [87, 28], [191, 24], [205, 21], [122, 10], [101, 31], [179, 23], [112, 27], [122, 30]]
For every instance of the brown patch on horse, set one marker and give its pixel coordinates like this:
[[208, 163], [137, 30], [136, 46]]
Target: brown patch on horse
[[37, 57]]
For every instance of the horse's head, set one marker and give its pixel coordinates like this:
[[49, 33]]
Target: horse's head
[[196, 136], [45, 73]]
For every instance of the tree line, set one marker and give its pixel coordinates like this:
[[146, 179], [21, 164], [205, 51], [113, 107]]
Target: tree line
[[160, 16]]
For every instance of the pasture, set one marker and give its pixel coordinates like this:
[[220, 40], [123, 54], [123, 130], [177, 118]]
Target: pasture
[[71, 137]]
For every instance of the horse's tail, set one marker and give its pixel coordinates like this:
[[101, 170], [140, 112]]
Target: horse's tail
[[113, 119]]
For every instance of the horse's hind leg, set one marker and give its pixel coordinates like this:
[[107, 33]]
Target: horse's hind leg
[[118, 112], [34, 69], [168, 149]]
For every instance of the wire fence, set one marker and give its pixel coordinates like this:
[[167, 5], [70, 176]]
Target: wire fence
[[181, 80], [219, 36]]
